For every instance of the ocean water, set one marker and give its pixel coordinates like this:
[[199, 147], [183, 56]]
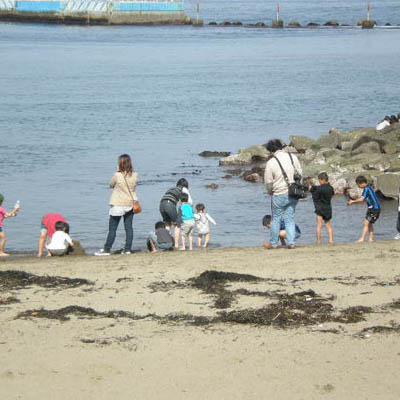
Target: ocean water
[[74, 98]]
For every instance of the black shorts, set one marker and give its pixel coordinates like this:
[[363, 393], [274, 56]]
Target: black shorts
[[372, 216], [168, 212], [326, 216]]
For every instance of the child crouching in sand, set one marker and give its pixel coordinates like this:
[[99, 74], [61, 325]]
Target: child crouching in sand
[[373, 210], [202, 225], [322, 196], [161, 239], [4, 214], [60, 243], [266, 221]]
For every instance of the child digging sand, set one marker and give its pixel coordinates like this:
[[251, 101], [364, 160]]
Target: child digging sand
[[202, 225], [322, 196], [373, 209], [266, 221], [60, 243], [5, 214]]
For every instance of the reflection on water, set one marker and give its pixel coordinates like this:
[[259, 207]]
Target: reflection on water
[[74, 98]]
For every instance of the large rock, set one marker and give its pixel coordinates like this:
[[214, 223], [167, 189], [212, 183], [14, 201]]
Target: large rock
[[332, 140], [379, 162], [388, 185], [301, 143], [367, 148], [246, 156]]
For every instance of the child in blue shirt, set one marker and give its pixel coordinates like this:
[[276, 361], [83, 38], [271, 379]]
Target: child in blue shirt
[[373, 210], [186, 218]]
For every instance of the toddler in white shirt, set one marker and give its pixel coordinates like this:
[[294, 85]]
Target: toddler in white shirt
[[60, 241], [202, 225]]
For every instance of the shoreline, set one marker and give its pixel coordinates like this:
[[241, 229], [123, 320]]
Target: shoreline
[[93, 325]]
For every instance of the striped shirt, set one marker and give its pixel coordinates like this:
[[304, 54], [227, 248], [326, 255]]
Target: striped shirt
[[370, 197]]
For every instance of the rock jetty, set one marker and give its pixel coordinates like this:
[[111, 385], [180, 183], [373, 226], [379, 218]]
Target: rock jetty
[[343, 155]]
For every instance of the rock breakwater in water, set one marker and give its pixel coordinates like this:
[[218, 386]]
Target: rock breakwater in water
[[343, 155]]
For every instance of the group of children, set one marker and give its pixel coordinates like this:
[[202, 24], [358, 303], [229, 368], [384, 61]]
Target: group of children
[[188, 221]]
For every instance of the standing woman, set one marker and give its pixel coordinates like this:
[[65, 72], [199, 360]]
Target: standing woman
[[123, 184]]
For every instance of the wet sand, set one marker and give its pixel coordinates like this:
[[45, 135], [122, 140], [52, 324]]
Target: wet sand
[[317, 322]]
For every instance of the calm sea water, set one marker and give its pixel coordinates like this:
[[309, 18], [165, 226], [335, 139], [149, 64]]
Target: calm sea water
[[74, 98]]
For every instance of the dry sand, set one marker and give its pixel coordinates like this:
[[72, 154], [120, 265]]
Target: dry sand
[[170, 355]]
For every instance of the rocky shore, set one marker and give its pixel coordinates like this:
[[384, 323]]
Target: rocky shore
[[343, 155]]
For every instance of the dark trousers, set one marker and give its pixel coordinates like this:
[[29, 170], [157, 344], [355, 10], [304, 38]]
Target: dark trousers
[[398, 222], [112, 231]]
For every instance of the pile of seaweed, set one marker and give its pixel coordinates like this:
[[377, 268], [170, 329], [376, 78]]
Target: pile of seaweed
[[62, 314], [12, 279]]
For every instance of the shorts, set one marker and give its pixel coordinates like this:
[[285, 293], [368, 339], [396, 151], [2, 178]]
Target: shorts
[[168, 212], [325, 214], [57, 252], [43, 230], [372, 215], [187, 228]]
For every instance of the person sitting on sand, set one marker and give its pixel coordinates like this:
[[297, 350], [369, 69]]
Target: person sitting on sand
[[60, 242], [322, 196], [48, 228], [383, 124], [161, 239], [266, 221], [373, 210], [393, 119], [5, 214]]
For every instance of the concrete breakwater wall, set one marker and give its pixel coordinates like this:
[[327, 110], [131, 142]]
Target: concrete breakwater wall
[[92, 12]]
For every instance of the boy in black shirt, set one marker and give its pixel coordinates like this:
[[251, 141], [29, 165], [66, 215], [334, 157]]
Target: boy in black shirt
[[322, 196]]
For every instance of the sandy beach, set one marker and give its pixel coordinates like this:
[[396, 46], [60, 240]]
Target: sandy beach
[[317, 322]]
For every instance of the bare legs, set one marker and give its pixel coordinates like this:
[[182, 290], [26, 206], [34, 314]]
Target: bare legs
[[206, 240], [329, 229], [367, 228], [184, 242], [3, 240]]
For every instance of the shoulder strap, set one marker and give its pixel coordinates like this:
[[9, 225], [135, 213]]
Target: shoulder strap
[[129, 191], [283, 171]]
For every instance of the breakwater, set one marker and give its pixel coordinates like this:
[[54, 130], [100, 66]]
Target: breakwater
[[88, 12]]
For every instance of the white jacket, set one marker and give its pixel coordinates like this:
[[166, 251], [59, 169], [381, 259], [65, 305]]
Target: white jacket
[[273, 176]]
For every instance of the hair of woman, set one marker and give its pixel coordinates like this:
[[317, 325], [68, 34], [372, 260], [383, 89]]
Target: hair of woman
[[125, 164]]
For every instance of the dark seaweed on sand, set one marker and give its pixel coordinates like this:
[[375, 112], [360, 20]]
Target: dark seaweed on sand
[[12, 279], [62, 314]]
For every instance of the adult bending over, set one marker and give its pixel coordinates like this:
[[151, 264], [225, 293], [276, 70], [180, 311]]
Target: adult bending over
[[168, 206], [123, 184], [283, 206]]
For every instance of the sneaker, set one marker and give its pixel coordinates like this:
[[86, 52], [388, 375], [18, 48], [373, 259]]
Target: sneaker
[[102, 252], [397, 237], [126, 252]]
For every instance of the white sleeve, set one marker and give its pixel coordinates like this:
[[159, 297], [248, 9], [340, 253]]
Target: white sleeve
[[68, 239], [211, 219], [297, 165], [186, 190]]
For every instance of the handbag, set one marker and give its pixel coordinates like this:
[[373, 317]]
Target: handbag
[[136, 207], [296, 189]]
